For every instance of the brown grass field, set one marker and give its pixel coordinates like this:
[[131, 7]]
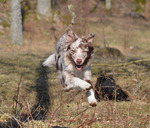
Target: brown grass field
[[32, 97]]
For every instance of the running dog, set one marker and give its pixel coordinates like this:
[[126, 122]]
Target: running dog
[[72, 59]]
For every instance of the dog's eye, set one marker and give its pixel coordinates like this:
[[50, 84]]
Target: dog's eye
[[84, 51], [73, 51], [86, 48]]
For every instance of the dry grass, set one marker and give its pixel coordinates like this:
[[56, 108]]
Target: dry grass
[[30, 92], [73, 111]]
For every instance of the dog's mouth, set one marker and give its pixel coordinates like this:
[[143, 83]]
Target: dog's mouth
[[78, 67]]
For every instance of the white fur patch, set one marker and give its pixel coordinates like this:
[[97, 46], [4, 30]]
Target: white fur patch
[[91, 97], [50, 61]]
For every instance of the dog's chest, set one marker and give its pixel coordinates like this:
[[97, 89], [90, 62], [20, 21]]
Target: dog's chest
[[71, 69], [78, 74]]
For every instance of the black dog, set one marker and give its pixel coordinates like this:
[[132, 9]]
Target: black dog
[[107, 89]]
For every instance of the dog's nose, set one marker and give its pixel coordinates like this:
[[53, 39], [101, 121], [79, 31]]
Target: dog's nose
[[79, 61]]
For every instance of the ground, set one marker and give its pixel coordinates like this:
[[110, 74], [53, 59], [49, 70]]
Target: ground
[[32, 94]]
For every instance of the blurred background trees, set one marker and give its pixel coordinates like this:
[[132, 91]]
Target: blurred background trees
[[108, 4], [56, 14], [43, 7], [16, 22], [147, 9]]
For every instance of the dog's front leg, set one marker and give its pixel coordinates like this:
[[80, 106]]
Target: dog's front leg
[[90, 94], [91, 98], [86, 85], [71, 81], [75, 82]]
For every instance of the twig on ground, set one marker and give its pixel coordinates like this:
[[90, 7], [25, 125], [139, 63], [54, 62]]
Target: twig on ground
[[18, 121], [81, 112], [124, 64], [112, 114], [30, 114], [67, 120], [12, 117], [88, 121], [138, 86], [16, 97], [121, 118], [53, 114]]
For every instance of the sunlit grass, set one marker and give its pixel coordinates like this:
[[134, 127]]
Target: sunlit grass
[[20, 66]]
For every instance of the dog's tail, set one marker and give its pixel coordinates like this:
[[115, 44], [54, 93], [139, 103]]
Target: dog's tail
[[50, 61]]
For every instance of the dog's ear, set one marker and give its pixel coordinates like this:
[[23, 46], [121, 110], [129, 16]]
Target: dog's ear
[[71, 36], [90, 38]]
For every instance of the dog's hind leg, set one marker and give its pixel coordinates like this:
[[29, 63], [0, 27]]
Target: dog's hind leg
[[50, 61]]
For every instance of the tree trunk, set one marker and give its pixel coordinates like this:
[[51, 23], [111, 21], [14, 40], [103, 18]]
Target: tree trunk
[[53, 4], [108, 4], [16, 22], [43, 7], [147, 9]]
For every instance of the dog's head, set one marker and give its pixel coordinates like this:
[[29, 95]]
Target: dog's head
[[80, 50]]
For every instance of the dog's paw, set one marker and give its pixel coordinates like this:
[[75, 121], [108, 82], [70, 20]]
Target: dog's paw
[[92, 102], [91, 98]]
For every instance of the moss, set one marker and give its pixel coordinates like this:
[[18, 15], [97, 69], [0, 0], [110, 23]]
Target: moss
[[25, 16], [1, 33], [5, 24], [4, 117], [139, 5], [35, 17], [35, 124], [66, 20]]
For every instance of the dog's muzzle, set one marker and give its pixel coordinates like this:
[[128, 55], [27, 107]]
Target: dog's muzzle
[[78, 64]]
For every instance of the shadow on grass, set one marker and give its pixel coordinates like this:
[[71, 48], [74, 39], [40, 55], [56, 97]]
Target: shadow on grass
[[43, 99], [39, 110], [9, 124]]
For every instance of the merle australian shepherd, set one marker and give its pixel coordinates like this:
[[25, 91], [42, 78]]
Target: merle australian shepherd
[[72, 59]]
